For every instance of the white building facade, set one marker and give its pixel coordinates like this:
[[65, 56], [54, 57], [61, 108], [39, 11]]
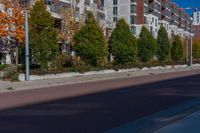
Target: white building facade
[[196, 17], [152, 14]]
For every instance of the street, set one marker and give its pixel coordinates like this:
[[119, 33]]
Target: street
[[95, 112]]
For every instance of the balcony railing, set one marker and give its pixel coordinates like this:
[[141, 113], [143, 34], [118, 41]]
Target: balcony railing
[[151, 7]]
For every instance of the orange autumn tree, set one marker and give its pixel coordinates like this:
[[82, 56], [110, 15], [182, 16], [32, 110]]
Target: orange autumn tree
[[3, 22], [12, 23], [4, 18], [17, 20], [14, 19]]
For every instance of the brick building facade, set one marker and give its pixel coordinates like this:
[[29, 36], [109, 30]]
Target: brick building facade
[[196, 23]]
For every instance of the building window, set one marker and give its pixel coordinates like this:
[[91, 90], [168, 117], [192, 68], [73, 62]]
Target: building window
[[133, 29], [151, 30], [115, 10], [115, 2], [115, 19], [87, 2], [156, 23], [133, 8], [145, 10], [132, 1], [145, 20], [132, 18], [158, 7]]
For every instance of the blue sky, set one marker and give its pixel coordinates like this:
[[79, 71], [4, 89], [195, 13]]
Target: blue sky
[[188, 3]]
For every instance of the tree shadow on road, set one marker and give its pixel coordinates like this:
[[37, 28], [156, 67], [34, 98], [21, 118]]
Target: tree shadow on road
[[96, 113]]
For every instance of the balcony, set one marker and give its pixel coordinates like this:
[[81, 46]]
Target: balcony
[[173, 19], [164, 14], [151, 1], [163, 6], [65, 1], [173, 11], [151, 7], [53, 13], [174, 23]]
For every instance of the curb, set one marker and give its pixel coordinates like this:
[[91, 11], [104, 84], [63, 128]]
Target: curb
[[74, 74]]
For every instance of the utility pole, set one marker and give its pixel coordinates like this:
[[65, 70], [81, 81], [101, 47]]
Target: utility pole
[[27, 75]]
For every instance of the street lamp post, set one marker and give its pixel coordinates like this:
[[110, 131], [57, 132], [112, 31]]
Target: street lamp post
[[27, 75], [191, 51], [187, 42], [191, 41]]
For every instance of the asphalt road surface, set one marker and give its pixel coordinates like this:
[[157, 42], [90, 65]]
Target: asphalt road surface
[[95, 112]]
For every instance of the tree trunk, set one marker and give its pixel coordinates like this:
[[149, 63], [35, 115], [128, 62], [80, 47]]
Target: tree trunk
[[17, 55]]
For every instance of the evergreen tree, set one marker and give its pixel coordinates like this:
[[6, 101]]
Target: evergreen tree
[[43, 37], [90, 43], [163, 44], [177, 49], [147, 45], [122, 43]]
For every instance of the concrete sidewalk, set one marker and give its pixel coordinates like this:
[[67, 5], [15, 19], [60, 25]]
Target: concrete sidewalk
[[6, 86], [189, 124]]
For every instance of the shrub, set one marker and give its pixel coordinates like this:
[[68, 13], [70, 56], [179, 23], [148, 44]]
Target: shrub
[[177, 49], [76, 62], [90, 43], [60, 61], [163, 44], [147, 45], [2, 67], [123, 44], [11, 73]]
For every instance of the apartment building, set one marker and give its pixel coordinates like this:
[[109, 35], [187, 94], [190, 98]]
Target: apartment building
[[133, 11], [152, 14], [56, 6]]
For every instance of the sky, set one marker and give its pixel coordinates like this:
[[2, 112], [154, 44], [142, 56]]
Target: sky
[[188, 3]]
